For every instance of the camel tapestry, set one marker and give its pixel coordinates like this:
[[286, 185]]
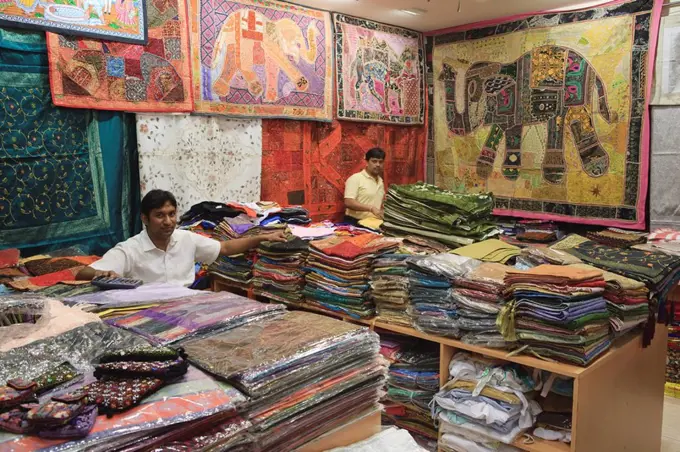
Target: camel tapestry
[[379, 72], [113, 20], [550, 112], [88, 73], [260, 58]]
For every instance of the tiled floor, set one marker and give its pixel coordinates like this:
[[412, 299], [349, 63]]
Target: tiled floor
[[670, 442]]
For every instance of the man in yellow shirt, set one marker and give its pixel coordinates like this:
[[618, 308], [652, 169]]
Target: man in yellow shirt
[[365, 191]]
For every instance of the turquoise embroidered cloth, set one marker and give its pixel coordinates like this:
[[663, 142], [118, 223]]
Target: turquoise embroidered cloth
[[67, 176]]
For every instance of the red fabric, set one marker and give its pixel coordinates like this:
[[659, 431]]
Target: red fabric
[[307, 163], [9, 258]]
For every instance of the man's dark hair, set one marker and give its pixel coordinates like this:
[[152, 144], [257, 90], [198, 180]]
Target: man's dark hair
[[375, 153], [156, 199]]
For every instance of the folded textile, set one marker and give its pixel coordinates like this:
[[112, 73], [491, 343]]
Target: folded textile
[[195, 316], [491, 250], [9, 258], [144, 294]]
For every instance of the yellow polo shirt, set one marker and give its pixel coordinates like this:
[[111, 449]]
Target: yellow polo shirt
[[363, 188]]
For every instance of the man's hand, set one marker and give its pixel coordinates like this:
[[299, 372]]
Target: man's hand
[[278, 236], [105, 274], [377, 212]]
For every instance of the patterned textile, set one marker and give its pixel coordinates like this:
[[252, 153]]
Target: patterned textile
[[379, 72], [200, 158], [551, 102], [87, 73], [261, 58], [66, 174], [115, 20], [306, 163]]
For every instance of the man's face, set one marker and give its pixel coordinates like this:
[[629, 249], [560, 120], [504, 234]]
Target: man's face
[[161, 222], [375, 166]]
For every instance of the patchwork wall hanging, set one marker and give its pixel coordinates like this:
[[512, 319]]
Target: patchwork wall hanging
[[200, 158], [113, 20], [307, 163], [261, 58], [550, 112], [87, 73], [65, 174], [379, 72]]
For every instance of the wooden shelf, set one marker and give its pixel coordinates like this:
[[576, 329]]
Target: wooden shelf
[[541, 445]]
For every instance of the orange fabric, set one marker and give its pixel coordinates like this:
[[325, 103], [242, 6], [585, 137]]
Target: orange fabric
[[39, 282]]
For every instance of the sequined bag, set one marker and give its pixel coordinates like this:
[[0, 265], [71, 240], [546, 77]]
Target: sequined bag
[[117, 395], [56, 412], [16, 392], [16, 420], [143, 354], [165, 370], [78, 427]]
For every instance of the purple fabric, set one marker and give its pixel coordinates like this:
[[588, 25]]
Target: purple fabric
[[562, 312], [78, 427]]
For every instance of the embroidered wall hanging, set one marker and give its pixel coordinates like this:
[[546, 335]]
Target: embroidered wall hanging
[[86, 73], [200, 158], [65, 174], [307, 163], [113, 20], [261, 58], [550, 112], [379, 72]]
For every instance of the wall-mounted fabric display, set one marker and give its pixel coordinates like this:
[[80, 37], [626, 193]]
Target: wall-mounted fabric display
[[200, 157], [379, 72], [261, 58], [308, 163], [549, 112], [86, 73], [664, 184], [65, 175], [113, 20]]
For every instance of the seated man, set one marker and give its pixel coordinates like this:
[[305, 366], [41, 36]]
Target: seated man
[[162, 253], [365, 191]]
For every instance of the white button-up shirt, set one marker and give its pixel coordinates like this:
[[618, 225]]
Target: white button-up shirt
[[138, 258]]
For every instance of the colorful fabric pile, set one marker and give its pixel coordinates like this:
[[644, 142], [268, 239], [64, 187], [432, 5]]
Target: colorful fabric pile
[[305, 374], [235, 271], [427, 211], [192, 317], [558, 312], [673, 359], [278, 271], [413, 380], [338, 269], [491, 250], [479, 297], [432, 307], [389, 283], [485, 402], [532, 257], [618, 238], [627, 301]]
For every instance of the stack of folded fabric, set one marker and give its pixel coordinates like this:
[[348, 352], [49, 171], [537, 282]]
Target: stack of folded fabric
[[479, 297], [627, 301], [485, 402], [305, 374], [278, 272], [673, 359], [413, 380], [557, 401], [532, 257], [558, 311], [338, 269], [389, 283], [491, 250], [209, 211], [537, 232], [235, 271], [287, 215], [195, 316], [618, 238], [432, 308], [427, 211]]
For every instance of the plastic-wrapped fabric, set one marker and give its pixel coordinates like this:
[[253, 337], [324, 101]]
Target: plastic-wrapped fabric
[[475, 304], [440, 326], [389, 439], [414, 379], [144, 294], [488, 339], [449, 266], [228, 435], [261, 358], [192, 317], [21, 315]]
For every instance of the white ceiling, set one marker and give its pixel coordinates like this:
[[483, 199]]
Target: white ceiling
[[440, 13]]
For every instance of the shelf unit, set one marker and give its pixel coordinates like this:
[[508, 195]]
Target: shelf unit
[[618, 399]]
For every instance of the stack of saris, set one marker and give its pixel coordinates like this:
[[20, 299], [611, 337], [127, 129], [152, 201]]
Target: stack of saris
[[278, 272]]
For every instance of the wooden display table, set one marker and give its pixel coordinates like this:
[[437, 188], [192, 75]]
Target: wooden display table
[[618, 399]]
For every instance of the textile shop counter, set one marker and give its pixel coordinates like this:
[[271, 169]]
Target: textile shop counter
[[618, 399]]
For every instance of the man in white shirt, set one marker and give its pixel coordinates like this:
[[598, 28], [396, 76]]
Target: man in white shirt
[[162, 253]]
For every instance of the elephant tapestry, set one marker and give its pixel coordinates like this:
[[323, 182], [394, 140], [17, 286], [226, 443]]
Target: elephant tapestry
[[550, 112], [380, 72], [261, 58], [113, 20], [87, 73]]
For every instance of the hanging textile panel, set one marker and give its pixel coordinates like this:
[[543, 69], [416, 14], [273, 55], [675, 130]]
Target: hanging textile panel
[[549, 113], [200, 158], [113, 20], [86, 73], [261, 58], [64, 173], [379, 72], [307, 163]]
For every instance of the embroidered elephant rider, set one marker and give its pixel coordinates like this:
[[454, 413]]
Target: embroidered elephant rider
[[550, 84], [248, 40]]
